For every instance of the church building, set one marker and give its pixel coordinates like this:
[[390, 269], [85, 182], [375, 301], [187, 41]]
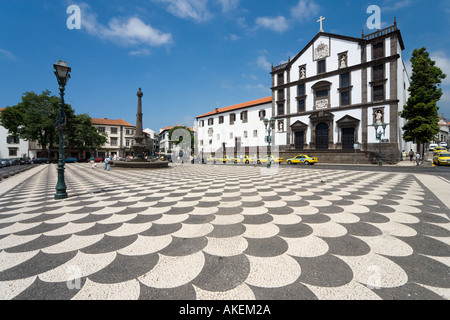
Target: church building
[[339, 92], [338, 98]]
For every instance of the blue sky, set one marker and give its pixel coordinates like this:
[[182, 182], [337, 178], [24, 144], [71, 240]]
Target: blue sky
[[188, 56]]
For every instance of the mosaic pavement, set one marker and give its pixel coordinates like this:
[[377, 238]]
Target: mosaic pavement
[[223, 232]]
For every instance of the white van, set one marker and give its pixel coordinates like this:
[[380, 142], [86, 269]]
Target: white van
[[443, 144], [432, 146]]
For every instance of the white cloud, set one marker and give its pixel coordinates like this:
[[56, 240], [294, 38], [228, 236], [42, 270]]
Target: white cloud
[[188, 9], [304, 9], [277, 24], [141, 52], [443, 62], [7, 55], [131, 31], [228, 5], [262, 62], [393, 6]]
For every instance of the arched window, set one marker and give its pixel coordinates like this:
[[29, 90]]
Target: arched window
[[322, 95]]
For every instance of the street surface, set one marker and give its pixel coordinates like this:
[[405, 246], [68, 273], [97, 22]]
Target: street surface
[[213, 232]]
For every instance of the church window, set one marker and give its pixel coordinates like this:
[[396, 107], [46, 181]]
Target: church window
[[301, 90], [321, 66], [345, 80], [378, 93], [281, 109], [280, 79], [378, 50], [322, 93], [301, 105], [345, 98], [378, 72], [280, 95]]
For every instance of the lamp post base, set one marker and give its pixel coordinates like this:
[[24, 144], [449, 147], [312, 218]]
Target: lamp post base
[[60, 196]]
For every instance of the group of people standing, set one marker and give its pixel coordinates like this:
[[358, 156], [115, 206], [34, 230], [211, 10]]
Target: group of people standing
[[413, 156]]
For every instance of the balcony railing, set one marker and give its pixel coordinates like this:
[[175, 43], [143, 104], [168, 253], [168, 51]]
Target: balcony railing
[[380, 33]]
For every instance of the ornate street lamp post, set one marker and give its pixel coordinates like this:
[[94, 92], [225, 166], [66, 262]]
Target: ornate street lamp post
[[379, 134], [62, 72], [270, 126]]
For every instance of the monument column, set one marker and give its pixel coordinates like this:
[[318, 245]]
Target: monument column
[[139, 135]]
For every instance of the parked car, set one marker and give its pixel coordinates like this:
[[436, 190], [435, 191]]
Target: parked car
[[443, 144], [303, 159], [25, 161], [442, 158], [15, 161], [272, 160], [40, 160], [70, 160], [1, 164], [211, 159], [439, 149], [5, 162], [432, 146], [247, 160]]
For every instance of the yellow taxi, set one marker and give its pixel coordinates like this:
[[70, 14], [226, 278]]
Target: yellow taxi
[[272, 160], [211, 159], [303, 159], [442, 158], [247, 160], [439, 149], [227, 159]]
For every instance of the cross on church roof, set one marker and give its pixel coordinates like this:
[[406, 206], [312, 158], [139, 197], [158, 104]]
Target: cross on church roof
[[321, 25]]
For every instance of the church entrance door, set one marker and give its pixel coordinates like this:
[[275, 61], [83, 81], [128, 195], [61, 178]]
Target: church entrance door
[[348, 138], [299, 140], [322, 137]]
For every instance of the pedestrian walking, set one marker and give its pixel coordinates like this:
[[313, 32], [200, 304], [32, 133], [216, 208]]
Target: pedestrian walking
[[107, 164], [417, 159], [404, 155], [92, 160], [411, 155]]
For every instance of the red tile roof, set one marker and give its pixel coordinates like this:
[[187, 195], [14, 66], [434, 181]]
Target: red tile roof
[[109, 122], [238, 106]]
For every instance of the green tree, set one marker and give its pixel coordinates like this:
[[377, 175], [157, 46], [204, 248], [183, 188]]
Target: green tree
[[34, 118], [82, 135], [421, 110]]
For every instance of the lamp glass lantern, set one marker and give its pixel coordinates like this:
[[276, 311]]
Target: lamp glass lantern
[[62, 72]]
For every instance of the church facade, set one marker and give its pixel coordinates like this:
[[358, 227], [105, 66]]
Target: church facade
[[333, 95]]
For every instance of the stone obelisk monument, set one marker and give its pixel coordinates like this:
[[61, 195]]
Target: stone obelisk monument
[[139, 146]]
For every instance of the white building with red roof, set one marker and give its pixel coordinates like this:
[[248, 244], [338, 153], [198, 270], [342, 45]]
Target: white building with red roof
[[234, 130]]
